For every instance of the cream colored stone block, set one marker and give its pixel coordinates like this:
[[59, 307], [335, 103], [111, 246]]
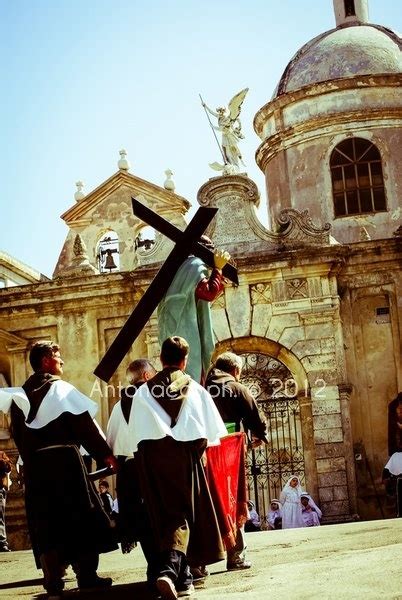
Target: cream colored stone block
[[335, 435], [239, 310], [328, 345], [321, 436], [220, 324], [332, 464], [319, 362], [327, 421], [307, 348], [325, 406], [319, 331], [290, 336], [279, 323], [261, 318]]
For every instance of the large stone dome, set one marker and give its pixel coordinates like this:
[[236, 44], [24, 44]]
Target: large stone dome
[[347, 51]]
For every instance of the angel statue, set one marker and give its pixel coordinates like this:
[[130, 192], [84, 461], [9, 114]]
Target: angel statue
[[230, 127]]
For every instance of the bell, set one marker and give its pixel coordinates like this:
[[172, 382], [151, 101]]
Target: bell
[[109, 262]]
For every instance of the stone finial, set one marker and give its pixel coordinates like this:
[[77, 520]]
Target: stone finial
[[169, 184], [123, 163], [80, 265], [79, 248], [79, 194]]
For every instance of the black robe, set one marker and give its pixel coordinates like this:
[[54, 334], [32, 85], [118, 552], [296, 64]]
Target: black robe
[[176, 491], [64, 511]]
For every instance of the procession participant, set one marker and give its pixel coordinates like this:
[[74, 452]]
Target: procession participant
[[50, 420], [291, 506], [392, 479], [132, 519], [239, 411], [185, 309], [172, 421], [5, 468]]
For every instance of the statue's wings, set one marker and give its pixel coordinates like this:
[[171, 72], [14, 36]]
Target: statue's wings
[[235, 104]]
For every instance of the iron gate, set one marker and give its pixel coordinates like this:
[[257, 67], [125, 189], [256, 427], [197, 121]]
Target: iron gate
[[268, 467]]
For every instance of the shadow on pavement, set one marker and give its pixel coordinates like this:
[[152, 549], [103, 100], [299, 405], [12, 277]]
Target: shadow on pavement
[[20, 584], [126, 591]]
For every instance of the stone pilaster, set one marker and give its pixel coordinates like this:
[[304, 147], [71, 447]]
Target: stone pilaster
[[345, 391], [306, 418]]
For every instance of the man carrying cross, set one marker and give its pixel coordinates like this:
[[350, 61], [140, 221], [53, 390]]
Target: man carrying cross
[[186, 243]]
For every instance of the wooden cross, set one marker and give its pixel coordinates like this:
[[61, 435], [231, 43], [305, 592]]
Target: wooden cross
[[186, 243]]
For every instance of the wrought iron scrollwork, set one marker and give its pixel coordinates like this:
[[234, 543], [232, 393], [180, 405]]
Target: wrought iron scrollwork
[[268, 467]]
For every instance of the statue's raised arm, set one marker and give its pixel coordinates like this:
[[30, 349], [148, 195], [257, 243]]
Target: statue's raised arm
[[230, 127]]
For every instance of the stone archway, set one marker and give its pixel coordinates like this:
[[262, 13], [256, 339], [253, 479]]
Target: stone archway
[[282, 395]]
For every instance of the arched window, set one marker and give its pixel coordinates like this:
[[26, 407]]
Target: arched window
[[357, 181]]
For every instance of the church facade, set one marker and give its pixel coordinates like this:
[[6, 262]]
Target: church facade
[[317, 314]]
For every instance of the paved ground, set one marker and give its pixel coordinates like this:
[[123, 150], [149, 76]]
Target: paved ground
[[334, 562]]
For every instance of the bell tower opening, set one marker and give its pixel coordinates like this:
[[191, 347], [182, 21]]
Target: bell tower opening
[[350, 10], [107, 255]]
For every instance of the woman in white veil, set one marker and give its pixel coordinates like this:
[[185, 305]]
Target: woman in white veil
[[291, 506]]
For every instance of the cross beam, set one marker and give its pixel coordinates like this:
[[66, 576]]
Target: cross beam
[[186, 244]]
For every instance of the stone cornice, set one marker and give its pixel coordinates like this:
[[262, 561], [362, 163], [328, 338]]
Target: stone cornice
[[316, 127], [319, 89], [77, 215]]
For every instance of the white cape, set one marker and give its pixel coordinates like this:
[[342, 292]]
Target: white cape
[[61, 397], [198, 418], [118, 433], [394, 465]]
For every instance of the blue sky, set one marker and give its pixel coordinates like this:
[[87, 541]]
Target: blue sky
[[84, 78]]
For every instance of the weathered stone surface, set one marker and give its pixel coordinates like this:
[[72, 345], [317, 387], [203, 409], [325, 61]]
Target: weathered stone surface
[[320, 331], [327, 345], [341, 492], [327, 421], [326, 494], [324, 436], [332, 479], [261, 317], [279, 322], [238, 310], [324, 406], [328, 465], [220, 324], [334, 508], [319, 361], [306, 348], [329, 450], [290, 336]]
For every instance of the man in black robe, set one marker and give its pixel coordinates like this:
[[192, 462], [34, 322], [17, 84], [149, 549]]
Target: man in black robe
[[132, 520], [50, 420], [172, 420]]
